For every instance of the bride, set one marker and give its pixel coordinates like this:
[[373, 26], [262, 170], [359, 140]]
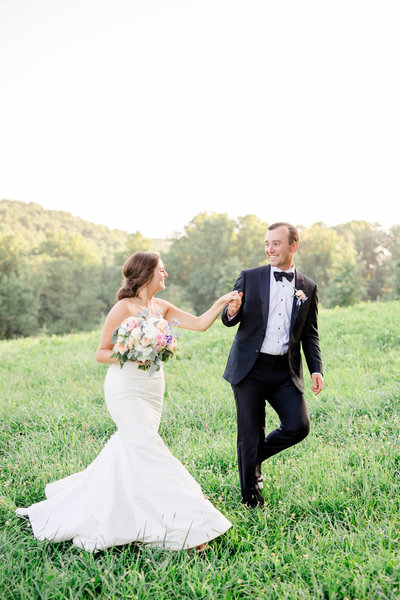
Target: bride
[[135, 490]]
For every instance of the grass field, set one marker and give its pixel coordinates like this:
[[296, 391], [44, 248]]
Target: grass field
[[330, 527]]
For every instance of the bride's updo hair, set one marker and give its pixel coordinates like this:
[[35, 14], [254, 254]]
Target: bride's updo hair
[[138, 271]]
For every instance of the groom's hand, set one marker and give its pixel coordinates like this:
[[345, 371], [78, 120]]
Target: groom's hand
[[235, 304], [317, 382]]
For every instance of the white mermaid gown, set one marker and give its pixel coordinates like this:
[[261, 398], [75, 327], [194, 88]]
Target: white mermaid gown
[[135, 490]]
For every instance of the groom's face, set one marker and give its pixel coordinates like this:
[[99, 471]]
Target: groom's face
[[277, 248]]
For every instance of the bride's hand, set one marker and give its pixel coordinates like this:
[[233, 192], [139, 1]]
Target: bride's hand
[[226, 298]]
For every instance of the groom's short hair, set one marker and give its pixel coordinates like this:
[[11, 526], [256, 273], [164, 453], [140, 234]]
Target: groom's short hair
[[293, 232]]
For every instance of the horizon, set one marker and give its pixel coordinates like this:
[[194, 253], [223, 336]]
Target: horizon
[[177, 233]]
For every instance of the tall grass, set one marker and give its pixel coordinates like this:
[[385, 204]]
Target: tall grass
[[330, 528]]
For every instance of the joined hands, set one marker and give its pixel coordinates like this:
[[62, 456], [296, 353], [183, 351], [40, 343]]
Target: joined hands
[[234, 303]]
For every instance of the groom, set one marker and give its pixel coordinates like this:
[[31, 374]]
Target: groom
[[276, 312]]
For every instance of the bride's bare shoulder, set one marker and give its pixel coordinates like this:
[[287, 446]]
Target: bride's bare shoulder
[[121, 310], [163, 305]]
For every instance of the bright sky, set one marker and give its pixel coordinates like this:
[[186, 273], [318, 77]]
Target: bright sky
[[140, 115]]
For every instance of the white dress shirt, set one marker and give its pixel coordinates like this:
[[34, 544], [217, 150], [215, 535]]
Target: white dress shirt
[[276, 340]]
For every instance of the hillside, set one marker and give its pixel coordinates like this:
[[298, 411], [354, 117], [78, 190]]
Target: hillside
[[58, 273], [330, 528], [32, 222]]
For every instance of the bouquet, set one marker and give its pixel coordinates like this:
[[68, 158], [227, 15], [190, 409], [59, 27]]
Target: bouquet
[[146, 339]]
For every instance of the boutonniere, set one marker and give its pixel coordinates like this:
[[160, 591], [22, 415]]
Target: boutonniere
[[300, 296]]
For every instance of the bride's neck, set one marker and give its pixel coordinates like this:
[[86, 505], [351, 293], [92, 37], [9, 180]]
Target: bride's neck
[[146, 298]]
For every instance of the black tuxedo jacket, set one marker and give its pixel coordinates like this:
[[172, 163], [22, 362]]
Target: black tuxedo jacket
[[253, 318]]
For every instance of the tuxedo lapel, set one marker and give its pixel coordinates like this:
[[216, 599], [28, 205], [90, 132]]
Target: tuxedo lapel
[[264, 281], [298, 285]]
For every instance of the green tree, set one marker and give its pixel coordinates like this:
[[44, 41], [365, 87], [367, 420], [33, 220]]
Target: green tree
[[249, 242], [315, 255], [69, 299], [19, 303], [394, 262], [19, 288], [135, 243], [345, 284], [110, 280], [60, 244], [13, 253], [370, 243], [201, 262]]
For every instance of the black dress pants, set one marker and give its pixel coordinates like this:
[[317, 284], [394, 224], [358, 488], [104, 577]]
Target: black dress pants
[[268, 380]]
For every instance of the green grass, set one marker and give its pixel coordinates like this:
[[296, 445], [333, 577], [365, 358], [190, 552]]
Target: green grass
[[331, 524]]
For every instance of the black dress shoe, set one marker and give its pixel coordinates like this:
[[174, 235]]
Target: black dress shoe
[[254, 499]]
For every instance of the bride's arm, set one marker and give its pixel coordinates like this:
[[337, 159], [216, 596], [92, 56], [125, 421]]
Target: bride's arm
[[189, 321], [105, 348]]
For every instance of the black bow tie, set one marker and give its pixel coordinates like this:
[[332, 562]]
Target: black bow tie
[[280, 274]]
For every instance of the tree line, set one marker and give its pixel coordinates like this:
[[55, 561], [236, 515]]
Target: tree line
[[60, 274]]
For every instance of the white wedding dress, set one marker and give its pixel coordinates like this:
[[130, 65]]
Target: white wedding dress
[[135, 490]]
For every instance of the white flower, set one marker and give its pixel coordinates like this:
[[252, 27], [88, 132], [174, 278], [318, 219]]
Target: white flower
[[135, 333], [145, 353], [149, 330]]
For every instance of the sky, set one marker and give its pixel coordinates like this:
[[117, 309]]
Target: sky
[[140, 115]]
